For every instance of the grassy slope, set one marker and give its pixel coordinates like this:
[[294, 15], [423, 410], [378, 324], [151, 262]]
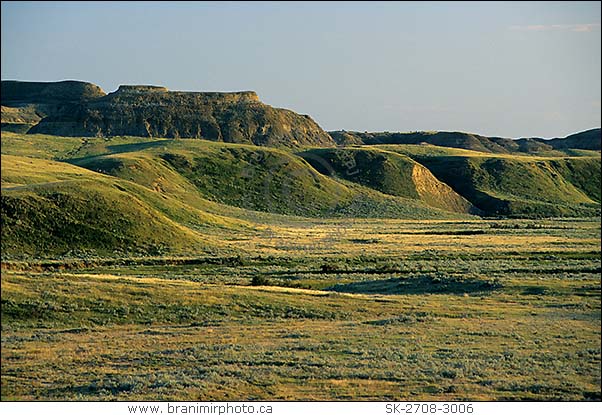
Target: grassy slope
[[52, 208], [389, 173], [236, 175], [515, 185]]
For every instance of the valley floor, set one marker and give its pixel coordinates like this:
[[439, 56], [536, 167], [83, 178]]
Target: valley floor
[[319, 310]]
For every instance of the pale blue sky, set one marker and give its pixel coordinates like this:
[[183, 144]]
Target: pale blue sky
[[507, 69]]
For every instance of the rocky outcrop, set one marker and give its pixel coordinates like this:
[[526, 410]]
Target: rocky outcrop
[[20, 119], [152, 111]]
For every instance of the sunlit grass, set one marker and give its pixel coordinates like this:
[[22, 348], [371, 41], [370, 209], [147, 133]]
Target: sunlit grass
[[512, 313]]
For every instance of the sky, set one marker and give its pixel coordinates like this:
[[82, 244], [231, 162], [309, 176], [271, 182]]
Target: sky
[[509, 69]]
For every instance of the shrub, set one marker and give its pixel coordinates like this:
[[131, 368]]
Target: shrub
[[260, 280], [329, 268]]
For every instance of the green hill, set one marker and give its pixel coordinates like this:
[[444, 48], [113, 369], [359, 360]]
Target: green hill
[[389, 173], [146, 196], [49, 208], [516, 185]]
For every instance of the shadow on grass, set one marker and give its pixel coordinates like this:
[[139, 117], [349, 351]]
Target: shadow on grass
[[96, 388], [423, 284], [127, 148], [119, 148]]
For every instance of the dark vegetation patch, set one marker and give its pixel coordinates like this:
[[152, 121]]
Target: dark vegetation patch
[[417, 317], [364, 241], [420, 285]]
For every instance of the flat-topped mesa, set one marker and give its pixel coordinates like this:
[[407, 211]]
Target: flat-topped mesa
[[161, 92]]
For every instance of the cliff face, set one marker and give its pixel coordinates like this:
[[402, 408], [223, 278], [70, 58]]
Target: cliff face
[[150, 111]]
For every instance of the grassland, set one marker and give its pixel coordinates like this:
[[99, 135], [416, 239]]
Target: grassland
[[440, 310]]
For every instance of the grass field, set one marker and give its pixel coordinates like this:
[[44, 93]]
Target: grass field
[[358, 309]]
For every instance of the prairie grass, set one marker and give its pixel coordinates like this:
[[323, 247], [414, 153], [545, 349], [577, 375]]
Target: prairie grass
[[421, 310]]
